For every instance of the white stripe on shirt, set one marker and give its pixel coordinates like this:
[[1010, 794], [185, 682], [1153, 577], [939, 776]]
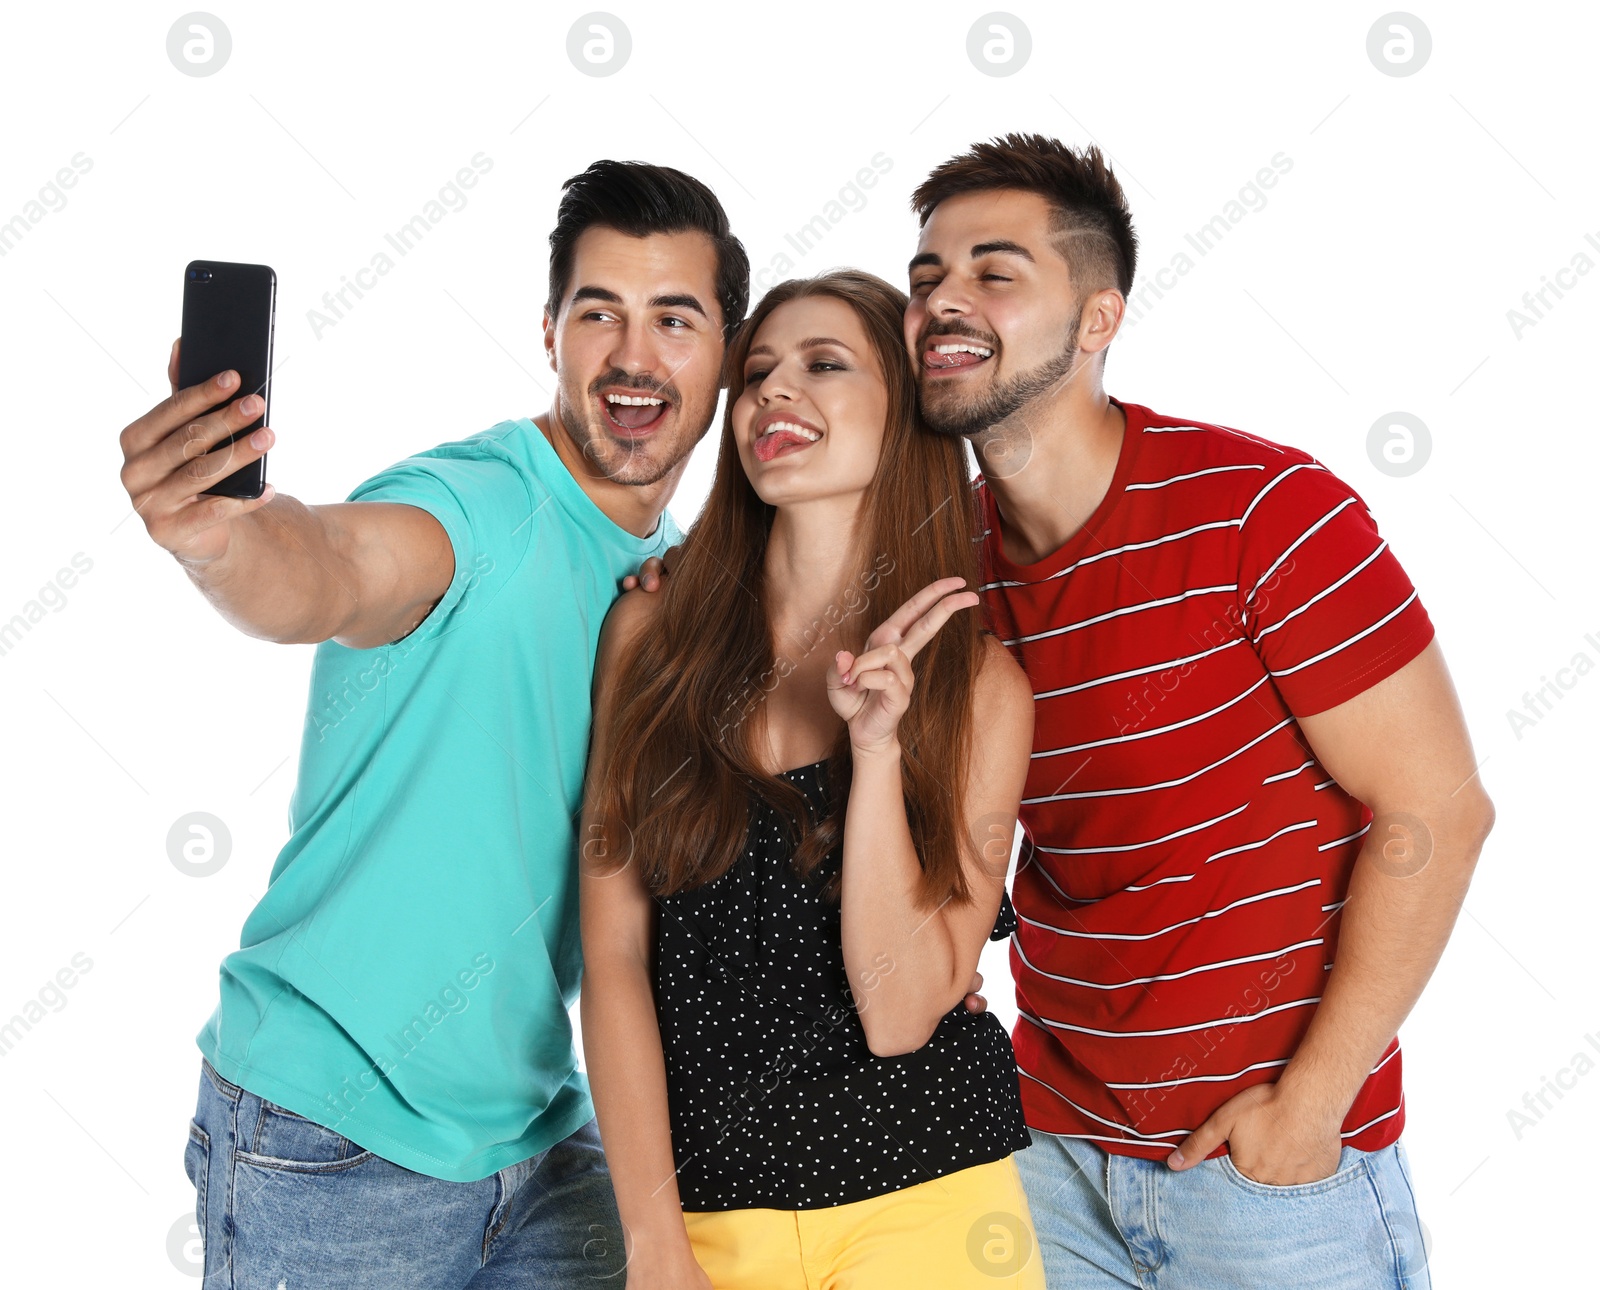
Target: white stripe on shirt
[[1188, 922], [1295, 545], [1205, 1079], [1339, 842], [1138, 671], [1256, 846], [1290, 774], [1240, 1019], [1326, 591], [1119, 613], [1177, 877], [1154, 730], [1193, 474], [1153, 1139], [1288, 671], [1109, 552], [1165, 976], [1276, 480], [1139, 846], [1171, 783], [1378, 1120]]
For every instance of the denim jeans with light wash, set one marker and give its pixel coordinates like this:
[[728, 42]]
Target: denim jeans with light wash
[[281, 1201], [1107, 1221]]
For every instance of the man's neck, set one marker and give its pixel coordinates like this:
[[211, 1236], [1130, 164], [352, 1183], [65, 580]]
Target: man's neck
[[636, 508], [1052, 464]]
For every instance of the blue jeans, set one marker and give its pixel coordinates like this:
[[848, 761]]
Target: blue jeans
[[282, 1201], [1106, 1221]]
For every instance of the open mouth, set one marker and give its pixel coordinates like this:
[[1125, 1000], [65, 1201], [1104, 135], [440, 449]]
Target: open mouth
[[954, 356], [778, 438], [634, 415]]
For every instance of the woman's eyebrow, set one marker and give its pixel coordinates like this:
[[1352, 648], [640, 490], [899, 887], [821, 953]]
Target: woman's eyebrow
[[810, 342]]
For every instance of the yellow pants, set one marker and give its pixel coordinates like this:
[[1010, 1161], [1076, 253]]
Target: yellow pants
[[970, 1228]]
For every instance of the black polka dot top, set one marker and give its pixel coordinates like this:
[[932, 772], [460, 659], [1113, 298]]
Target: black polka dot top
[[776, 1101]]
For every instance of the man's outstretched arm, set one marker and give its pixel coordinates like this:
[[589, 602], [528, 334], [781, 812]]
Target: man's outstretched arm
[[1402, 748], [361, 573]]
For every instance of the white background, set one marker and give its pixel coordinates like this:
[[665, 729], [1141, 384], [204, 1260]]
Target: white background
[[1377, 278]]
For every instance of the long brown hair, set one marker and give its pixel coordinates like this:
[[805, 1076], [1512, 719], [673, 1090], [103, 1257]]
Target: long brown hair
[[679, 765]]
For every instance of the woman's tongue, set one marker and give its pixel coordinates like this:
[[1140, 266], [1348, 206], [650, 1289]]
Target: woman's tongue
[[635, 416], [769, 445]]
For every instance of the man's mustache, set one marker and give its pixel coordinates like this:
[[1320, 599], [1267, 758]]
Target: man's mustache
[[957, 329], [642, 385]]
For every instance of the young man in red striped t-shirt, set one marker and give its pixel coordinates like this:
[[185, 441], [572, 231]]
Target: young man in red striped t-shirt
[[1251, 814]]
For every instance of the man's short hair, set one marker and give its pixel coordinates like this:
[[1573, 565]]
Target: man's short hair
[[639, 199], [1092, 225]]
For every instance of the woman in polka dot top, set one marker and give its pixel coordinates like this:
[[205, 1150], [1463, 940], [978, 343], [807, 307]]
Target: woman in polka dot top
[[802, 788]]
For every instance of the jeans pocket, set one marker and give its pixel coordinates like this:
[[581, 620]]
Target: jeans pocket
[[1352, 1164], [289, 1142], [197, 1165]]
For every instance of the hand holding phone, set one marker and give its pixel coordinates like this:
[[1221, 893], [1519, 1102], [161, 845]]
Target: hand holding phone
[[228, 324], [185, 458]]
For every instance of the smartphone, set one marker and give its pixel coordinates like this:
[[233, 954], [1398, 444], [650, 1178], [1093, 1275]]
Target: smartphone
[[227, 323]]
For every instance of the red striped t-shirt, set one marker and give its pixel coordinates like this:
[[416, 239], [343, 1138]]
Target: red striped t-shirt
[[1184, 856]]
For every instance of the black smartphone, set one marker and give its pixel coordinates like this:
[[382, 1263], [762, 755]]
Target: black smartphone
[[227, 323]]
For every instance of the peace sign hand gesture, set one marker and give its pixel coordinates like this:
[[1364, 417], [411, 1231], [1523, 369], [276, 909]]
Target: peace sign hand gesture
[[872, 690]]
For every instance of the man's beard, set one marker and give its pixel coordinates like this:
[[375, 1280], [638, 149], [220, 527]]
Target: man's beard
[[605, 455], [1004, 399]]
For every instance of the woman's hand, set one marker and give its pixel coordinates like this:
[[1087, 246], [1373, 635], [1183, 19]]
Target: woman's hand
[[872, 690], [679, 1271]]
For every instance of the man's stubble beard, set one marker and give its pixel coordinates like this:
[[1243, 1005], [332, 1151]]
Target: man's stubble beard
[[605, 455], [992, 409]]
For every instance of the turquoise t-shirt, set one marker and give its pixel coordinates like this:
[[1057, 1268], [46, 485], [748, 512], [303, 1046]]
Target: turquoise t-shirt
[[405, 979]]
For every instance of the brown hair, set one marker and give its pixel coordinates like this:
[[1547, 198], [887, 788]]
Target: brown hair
[[679, 765], [1092, 224], [639, 199]]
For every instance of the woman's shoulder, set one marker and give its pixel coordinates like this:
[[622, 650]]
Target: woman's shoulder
[[631, 614], [1000, 677], [1002, 697]]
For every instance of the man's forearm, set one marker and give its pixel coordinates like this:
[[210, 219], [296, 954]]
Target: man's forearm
[[1401, 906], [281, 578]]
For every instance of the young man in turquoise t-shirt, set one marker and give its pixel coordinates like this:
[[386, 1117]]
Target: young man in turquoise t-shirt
[[389, 1091]]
